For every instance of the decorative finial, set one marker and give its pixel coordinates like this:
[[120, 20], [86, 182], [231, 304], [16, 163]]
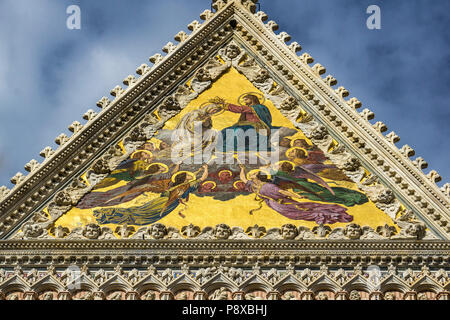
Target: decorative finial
[[249, 4]]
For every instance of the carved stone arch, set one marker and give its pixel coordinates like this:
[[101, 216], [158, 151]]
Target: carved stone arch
[[426, 286], [183, 286], [115, 286], [184, 294], [110, 293], [324, 283], [290, 287], [358, 283], [149, 286], [256, 282], [48, 286], [213, 286], [426, 295], [41, 294], [18, 293], [83, 286], [14, 283], [394, 286]]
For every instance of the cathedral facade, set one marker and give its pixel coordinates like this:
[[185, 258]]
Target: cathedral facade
[[231, 168]]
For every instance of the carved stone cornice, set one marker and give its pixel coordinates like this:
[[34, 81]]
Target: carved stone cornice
[[352, 130], [102, 253]]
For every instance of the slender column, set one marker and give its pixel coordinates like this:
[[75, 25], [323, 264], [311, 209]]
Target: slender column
[[307, 295], [29, 295], [64, 295], [410, 296], [132, 295], [239, 295], [200, 295], [341, 295], [273, 295], [376, 295], [166, 295]]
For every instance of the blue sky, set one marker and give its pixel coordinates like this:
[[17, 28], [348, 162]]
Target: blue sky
[[50, 76]]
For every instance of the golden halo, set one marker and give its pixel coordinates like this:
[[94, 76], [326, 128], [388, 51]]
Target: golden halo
[[187, 172], [139, 151], [166, 168], [214, 184], [258, 170], [225, 170], [296, 148], [205, 104], [278, 164], [260, 96], [293, 140], [235, 184]]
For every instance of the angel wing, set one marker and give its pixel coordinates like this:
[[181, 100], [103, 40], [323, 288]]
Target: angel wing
[[303, 173], [107, 234], [369, 233], [273, 234], [207, 234], [304, 233], [141, 233], [173, 233], [137, 186], [286, 184], [337, 234], [238, 233], [76, 234]]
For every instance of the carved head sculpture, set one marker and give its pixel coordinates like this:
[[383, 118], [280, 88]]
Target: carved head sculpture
[[158, 231], [389, 296], [92, 231], [203, 75], [352, 165], [232, 51], [32, 230], [422, 296], [386, 197], [289, 232], [48, 296], [355, 295], [262, 76], [62, 199], [416, 230], [353, 231], [321, 296], [222, 231], [60, 232]]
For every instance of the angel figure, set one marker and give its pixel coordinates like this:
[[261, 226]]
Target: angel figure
[[288, 203], [313, 187], [173, 194], [131, 190]]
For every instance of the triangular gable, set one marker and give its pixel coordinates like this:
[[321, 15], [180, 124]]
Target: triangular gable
[[394, 183]]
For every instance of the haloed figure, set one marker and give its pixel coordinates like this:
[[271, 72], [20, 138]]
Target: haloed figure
[[173, 194], [288, 203]]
